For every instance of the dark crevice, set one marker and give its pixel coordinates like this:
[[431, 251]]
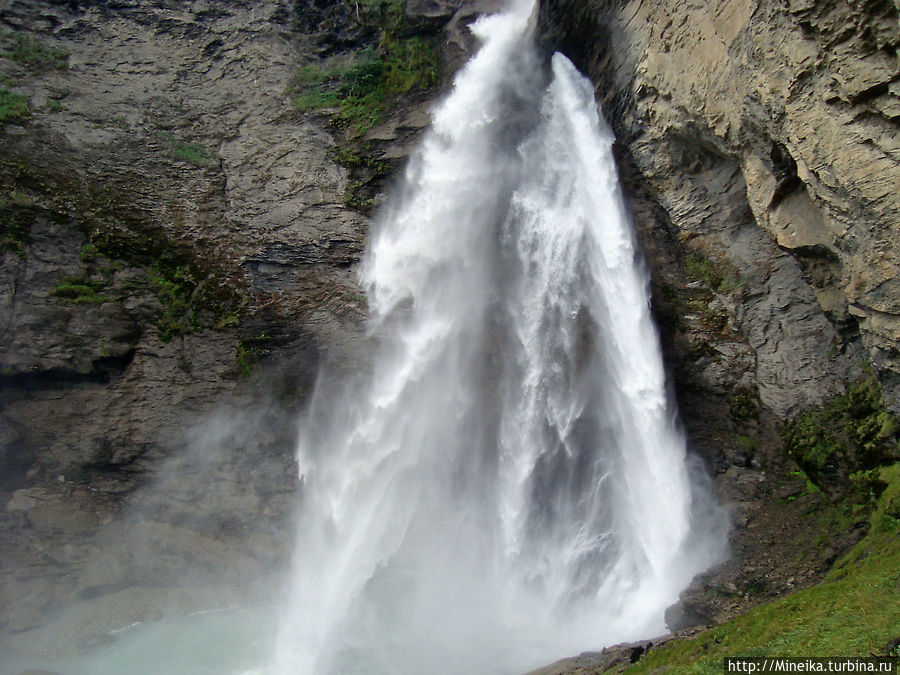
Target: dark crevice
[[871, 93], [104, 370], [784, 168]]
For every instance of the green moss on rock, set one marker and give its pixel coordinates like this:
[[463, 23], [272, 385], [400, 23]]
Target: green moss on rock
[[358, 90], [15, 227], [852, 432], [79, 291], [14, 107], [31, 52]]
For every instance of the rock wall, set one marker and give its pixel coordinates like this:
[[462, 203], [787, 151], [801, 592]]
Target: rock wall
[[766, 132], [177, 263], [176, 220]]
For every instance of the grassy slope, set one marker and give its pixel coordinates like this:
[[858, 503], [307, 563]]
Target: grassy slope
[[854, 612]]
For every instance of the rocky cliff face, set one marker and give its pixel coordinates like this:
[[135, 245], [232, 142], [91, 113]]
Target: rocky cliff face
[[167, 219], [766, 132], [178, 244]]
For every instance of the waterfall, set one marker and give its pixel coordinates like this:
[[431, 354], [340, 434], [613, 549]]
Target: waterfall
[[507, 485]]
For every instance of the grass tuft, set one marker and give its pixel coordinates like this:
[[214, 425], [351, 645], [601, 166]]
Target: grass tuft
[[31, 52], [14, 107], [852, 432], [193, 153], [15, 225], [358, 92], [79, 291]]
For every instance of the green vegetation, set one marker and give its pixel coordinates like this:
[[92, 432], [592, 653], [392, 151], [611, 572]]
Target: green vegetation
[[352, 159], [193, 153], [15, 224], [720, 277], [193, 290], [360, 89], [366, 170], [354, 197], [854, 612], [743, 405], [53, 106], [13, 107], [852, 432], [88, 253], [249, 351], [79, 290], [192, 299], [175, 287], [29, 51]]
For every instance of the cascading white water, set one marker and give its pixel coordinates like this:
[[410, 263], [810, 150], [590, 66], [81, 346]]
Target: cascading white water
[[507, 486]]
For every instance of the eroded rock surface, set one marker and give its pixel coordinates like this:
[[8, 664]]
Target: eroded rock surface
[[172, 221], [178, 261]]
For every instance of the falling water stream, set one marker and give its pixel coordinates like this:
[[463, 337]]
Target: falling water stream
[[507, 486]]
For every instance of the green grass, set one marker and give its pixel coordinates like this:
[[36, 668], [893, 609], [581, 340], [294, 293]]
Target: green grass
[[855, 611], [31, 52], [193, 153], [79, 291], [13, 107]]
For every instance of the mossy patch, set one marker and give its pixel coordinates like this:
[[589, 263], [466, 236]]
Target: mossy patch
[[195, 291], [192, 153], [32, 53], [718, 276], [14, 107], [79, 291], [366, 171], [15, 227], [854, 612], [743, 406], [250, 350], [190, 300], [853, 432]]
